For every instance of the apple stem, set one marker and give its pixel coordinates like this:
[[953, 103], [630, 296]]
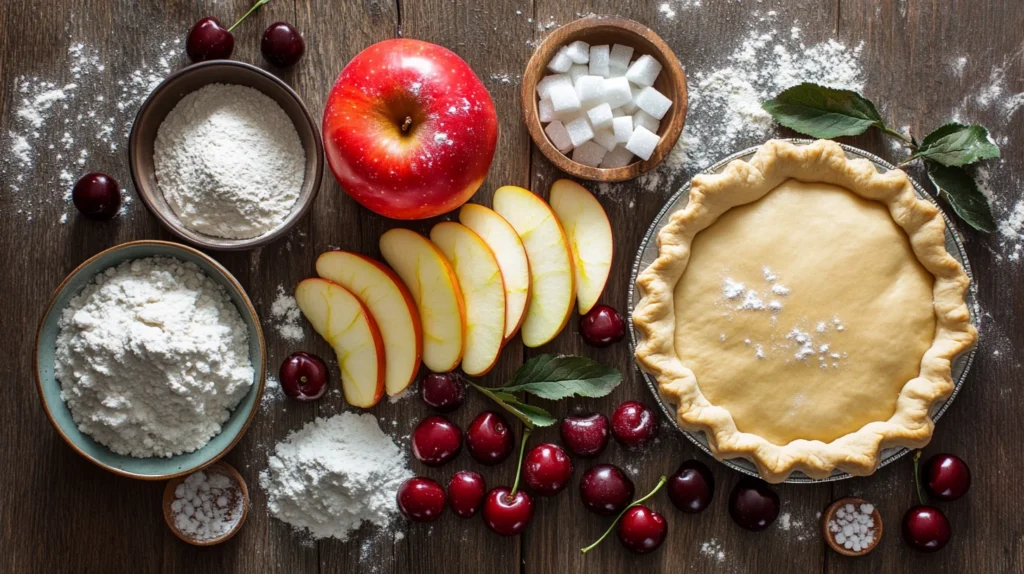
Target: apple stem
[[519, 467], [406, 124], [246, 15], [623, 513], [917, 477]]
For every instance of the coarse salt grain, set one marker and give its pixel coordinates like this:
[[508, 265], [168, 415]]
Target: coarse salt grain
[[853, 526], [207, 505]]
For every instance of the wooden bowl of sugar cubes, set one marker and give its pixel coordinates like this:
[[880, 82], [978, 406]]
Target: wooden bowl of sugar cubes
[[604, 98]]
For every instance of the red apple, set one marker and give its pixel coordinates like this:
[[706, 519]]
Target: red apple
[[409, 129]]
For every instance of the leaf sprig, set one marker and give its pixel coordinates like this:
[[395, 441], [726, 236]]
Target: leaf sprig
[[827, 113], [552, 377]]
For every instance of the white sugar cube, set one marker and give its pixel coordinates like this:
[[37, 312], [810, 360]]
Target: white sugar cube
[[618, 61], [630, 108], [605, 138], [559, 136], [589, 154], [653, 102], [618, 113], [644, 71], [564, 98], [622, 127], [645, 120], [590, 90], [618, 157], [577, 71], [600, 116], [579, 131], [546, 112], [599, 60], [616, 92], [561, 62], [578, 52], [547, 82], [642, 142]]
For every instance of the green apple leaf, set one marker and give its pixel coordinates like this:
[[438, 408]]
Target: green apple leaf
[[554, 378], [959, 189], [957, 145], [823, 112]]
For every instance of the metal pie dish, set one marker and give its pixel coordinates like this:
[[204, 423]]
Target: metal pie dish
[[648, 252]]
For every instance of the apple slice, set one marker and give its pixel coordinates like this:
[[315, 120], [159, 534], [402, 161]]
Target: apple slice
[[435, 289], [483, 288], [590, 238], [392, 307], [346, 323], [552, 281], [508, 249]]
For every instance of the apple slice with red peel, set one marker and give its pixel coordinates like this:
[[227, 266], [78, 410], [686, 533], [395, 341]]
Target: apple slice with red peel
[[342, 319], [382, 292], [590, 238], [508, 249], [483, 289], [552, 280], [435, 289]]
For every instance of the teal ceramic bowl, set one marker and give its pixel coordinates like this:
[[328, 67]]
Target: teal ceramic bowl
[[153, 468]]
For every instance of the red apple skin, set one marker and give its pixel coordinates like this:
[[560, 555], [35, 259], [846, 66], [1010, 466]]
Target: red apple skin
[[441, 157]]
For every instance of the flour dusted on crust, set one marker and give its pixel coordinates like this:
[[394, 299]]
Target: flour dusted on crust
[[152, 357]]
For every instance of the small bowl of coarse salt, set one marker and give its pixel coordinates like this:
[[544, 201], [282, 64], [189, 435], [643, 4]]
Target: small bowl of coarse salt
[[226, 155], [604, 98], [852, 526], [208, 506]]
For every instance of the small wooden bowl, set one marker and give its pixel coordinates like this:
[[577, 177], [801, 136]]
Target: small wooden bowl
[[830, 512], [602, 30], [219, 467], [167, 95]]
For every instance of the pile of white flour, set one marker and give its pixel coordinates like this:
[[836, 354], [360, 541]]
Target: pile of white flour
[[229, 162], [152, 357], [333, 475]]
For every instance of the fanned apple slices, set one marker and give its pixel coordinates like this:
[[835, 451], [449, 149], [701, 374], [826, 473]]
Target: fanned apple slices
[[392, 306], [552, 279], [590, 238], [342, 319], [483, 290], [435, 289]]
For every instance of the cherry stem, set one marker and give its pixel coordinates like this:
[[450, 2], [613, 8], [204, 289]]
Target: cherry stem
[[623, 513], [246, 15], [519, 467], [487, 392], [406, 124], [917, 477]]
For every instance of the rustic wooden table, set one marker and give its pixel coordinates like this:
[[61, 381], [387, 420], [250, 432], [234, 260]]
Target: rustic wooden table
[[58, 512]]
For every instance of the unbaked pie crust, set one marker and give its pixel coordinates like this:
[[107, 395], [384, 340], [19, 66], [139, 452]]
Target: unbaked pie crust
[[803, 311]]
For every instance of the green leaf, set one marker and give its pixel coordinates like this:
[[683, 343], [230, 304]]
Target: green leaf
[[554, 378], [531, 416], [956, 145], [958, 188], [823, 112], [538, 416]]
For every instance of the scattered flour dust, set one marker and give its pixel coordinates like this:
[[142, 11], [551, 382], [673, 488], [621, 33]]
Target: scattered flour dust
[[73, 121], [334, 474], [713, 549], [286, 314]]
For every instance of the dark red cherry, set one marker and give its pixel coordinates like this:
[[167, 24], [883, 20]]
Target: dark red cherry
[[633, 424], [926, 528], [96, 196], [489, 438], [692, 487], [753, 504], [436, 440], [547, 469], [586, 435], [303, 377], [444, 392], [421, 499], [641, 529], [507, 515], [466, 492], [606, 490], [602, 326], [946, 476], [208, 40], [282, 45]]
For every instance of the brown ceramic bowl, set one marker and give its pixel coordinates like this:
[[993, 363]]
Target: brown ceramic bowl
[[830, 512], [219, 467], [601, 30], [167, 95]]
